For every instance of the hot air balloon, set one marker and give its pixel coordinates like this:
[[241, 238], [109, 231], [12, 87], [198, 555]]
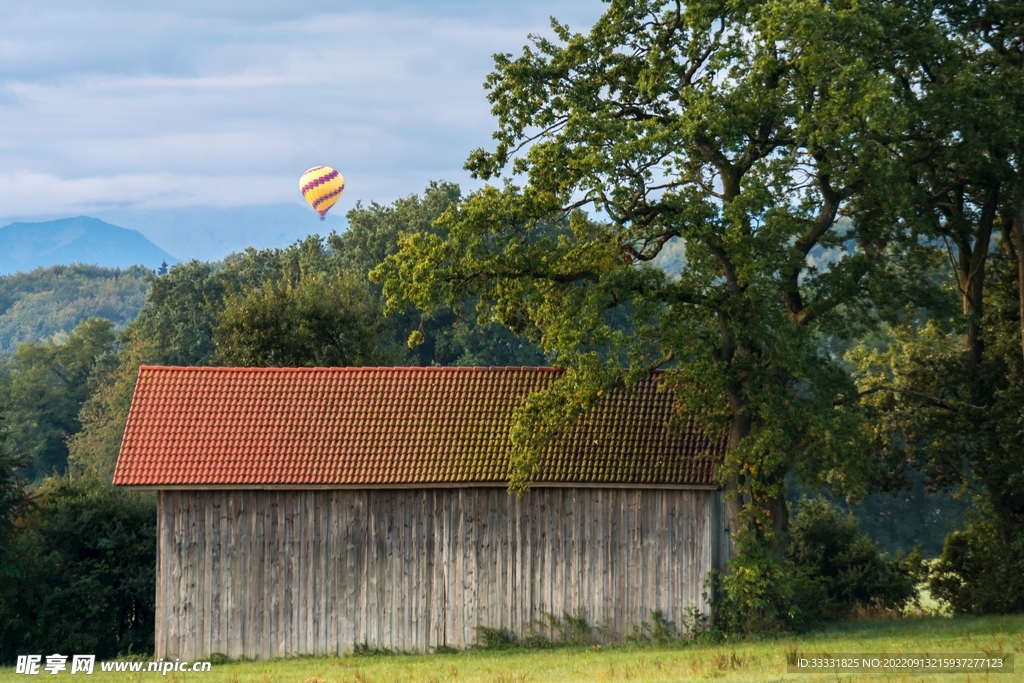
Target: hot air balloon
[[322, 187]]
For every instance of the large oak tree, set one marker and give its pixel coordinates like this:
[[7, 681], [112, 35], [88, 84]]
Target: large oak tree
[[757, 137]]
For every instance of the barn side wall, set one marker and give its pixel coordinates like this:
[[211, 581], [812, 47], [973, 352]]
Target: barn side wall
[[273, 573]]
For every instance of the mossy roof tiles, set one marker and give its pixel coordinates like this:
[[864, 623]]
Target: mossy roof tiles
[[191, 426]]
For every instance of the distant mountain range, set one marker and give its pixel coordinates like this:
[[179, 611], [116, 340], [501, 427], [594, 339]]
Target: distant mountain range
[[27, 246], [211, 233]]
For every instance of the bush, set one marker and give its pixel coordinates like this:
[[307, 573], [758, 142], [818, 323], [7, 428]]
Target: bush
[[79, 575], [979, 572], [836, 569], [568, 630], [755, 593], [661, 631]]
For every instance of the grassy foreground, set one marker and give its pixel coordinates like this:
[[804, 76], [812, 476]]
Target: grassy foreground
[[763, 660]]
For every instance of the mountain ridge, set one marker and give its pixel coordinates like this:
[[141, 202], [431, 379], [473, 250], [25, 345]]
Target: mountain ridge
[[25, 246]]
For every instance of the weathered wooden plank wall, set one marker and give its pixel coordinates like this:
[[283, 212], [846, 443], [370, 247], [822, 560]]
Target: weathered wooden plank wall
[[273, 573]]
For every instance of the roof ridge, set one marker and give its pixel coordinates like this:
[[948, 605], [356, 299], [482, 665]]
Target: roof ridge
[[364, 368]]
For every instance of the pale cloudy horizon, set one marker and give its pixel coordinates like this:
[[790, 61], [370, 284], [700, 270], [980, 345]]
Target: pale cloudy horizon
[[123, 108]]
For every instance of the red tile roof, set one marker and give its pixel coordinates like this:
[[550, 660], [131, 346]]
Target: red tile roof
[[387, 426]]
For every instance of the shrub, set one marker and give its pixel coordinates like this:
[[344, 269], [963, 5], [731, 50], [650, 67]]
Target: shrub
[[979, 572], [495, 638], [661, 631], [755, 593], [836, 569], [568, 630]]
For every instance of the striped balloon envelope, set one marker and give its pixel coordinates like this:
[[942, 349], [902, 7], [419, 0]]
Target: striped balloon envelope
[[322, 187]]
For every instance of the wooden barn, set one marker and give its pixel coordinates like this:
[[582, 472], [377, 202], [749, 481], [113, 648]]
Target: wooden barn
[[311, 510]]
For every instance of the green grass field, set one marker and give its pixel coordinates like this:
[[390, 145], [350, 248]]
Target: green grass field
[[763, 660]]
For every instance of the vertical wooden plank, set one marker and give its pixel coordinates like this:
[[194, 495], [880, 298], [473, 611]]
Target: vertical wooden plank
[[599, 532], [694, 576], [372, 569], [571, 559], [438, 574], [242, 599], [519, 589], [421, 534], [706, 549], [409, 559], [332, 555], [206, 562], [346, 574], [291, 570], [234, 594], [272, 572], [457, 596], [588, 584], [308, 531], [250, 593], [578, 553], [198, 550], [186, 594], [321, 593], [560, 559], [552, 574], [385, 559], [472, 579], [509, 550], [672, 555], [213, 510], [636, 548], [647, 501], [354, 575], [497, 560]]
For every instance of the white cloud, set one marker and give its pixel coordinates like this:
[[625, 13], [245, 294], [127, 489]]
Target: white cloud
[[27, 194], [225, 103]]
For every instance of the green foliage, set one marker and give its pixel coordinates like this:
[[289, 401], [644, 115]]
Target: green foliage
[[92, 451], [661, 631], [180, 315], [37, 305], [46, 385], [567, 630], [364, 650], [80, 572], [13, 498], [912, 516], [837, 569], [495, 638], [980, 571], [460, 334], [321, 320], [755, 593], [961, 423]]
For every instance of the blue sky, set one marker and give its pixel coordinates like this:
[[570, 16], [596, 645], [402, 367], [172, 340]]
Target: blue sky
[[135, 106]]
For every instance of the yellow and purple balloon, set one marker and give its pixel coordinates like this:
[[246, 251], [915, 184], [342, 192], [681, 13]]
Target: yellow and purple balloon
[[322, 187]]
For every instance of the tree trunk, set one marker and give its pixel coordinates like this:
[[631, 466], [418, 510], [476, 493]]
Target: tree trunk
[[1018, 232], [779, 511], [972, 269], [733, 487], [972, 259]]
